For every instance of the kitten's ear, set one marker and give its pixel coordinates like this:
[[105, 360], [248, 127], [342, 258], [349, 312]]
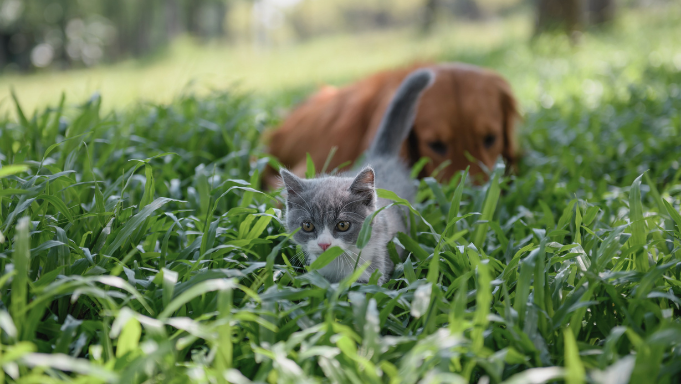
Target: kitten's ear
[[363, 185], [293, 183]]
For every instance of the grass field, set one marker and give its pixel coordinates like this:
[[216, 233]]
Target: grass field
[[137, 246]]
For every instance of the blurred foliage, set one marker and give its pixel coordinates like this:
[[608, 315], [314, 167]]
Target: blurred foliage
[[73, 33], [60, 34], [137, 246], [546, 71]]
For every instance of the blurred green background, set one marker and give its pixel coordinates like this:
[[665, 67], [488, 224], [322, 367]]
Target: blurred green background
[[154, 50]]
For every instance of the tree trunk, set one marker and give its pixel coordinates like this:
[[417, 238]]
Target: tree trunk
[[222, 9], [429, 13], [173, 24], [4, 48], [468, 9], [601, 11], [212, 20], [193, 14], [567, 15], [63, 20], [118, 13], [142, 35]]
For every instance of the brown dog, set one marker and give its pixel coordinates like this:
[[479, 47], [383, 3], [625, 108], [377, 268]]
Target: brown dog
[[467, 109]]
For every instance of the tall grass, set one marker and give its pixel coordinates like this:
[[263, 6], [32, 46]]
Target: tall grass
[[138, 246]]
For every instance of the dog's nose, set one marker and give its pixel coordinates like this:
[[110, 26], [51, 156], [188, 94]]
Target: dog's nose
[[324, 246]]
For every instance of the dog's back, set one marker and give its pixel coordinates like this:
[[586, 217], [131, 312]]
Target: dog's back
[[349, 117], [334, 117]]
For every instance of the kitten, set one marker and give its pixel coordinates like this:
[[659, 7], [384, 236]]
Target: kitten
[[330, 210]]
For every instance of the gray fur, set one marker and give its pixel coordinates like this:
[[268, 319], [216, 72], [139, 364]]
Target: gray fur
[[327, 200], [399, 117]]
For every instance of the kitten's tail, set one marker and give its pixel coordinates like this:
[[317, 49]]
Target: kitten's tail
[[399, 117]]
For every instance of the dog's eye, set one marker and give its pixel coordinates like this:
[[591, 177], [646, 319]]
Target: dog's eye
[[489, 141], [307, 226], [343, 226], [438, 147]]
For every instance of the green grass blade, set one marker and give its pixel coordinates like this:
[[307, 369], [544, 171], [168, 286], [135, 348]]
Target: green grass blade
[[455, 203], [14, 169], [325, 258], [483, 300], [488, 208], [412, 246], [128, 340], [674, 214], [134, 222], [639, 232], [578, 225], [148, 195], [20, 111], [439, 195], [193, 292], [524, 284], [574, 369], [329, 158], [58, 204], [20, 259], [310, 172], [549, 219]]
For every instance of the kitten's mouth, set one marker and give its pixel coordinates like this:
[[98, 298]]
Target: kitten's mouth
[[311, 256]]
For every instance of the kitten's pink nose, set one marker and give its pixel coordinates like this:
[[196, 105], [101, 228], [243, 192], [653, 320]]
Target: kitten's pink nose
[[324, 246]]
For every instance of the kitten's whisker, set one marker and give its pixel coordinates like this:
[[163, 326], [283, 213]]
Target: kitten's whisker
[[303, 208], [341, 266], [352, 202], [299, 259], [348, 261], [338, 270], [352, 213], [306, 258], [298, 209], [362, 259], [304, 201], [333, 214]]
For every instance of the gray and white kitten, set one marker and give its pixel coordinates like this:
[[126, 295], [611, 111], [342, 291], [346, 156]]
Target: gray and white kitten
[[330, 210]]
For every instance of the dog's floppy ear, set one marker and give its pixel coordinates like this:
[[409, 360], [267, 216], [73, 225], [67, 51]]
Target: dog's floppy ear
[[509, 107]]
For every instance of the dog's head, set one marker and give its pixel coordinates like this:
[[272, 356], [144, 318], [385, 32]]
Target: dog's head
[[466, 117]]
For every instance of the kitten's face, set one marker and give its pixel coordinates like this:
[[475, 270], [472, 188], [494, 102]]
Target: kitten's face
[[329, 211]]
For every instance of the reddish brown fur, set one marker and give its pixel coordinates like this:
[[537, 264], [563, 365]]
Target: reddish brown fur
[[465, 104]]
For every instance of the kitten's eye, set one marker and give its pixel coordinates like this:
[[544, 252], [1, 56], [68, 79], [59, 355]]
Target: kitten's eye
[[307, 226], [489, 141], [343, 226], [438, 147]]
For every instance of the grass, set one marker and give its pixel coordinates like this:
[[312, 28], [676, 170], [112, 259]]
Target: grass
[[137, 246]]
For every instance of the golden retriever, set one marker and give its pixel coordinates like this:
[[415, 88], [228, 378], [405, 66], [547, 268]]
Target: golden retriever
[[469, 113]]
